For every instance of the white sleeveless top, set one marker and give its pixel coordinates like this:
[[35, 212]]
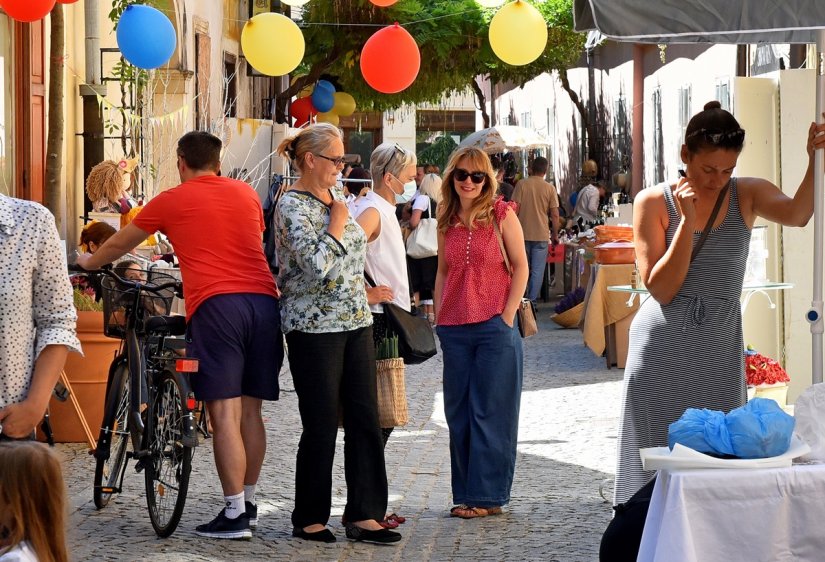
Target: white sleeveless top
[[386, 255]]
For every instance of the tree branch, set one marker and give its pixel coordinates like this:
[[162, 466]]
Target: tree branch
[[482, 105]]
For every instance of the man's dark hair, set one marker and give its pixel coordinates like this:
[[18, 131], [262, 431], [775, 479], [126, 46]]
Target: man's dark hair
[[539, 166], [200, 150]]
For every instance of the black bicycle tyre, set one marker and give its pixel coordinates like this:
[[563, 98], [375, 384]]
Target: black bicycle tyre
[[170, 461], [115, 430]]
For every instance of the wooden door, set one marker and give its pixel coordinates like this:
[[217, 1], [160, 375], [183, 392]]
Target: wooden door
[[30, 103]]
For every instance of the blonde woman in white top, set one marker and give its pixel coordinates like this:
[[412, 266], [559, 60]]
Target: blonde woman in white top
[[423, 270], [392, 168]]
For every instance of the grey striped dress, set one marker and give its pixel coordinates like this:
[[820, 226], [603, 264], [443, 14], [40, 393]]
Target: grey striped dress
[[686, 354]]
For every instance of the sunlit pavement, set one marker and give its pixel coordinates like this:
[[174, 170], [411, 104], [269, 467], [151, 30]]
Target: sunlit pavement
[[567, 441]]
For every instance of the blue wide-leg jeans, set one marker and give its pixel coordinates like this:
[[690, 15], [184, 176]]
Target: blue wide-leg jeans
[[483, 366]]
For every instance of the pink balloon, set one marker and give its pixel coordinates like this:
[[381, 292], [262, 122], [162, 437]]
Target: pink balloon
[[390, 60]]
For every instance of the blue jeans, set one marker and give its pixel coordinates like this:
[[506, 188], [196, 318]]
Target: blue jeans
[[483, 366], [537, 259]]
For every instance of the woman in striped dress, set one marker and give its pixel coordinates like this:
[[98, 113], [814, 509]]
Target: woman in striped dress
[[686, 347]]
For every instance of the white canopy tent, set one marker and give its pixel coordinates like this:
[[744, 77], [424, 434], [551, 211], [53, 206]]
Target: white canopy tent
[[730, 21]]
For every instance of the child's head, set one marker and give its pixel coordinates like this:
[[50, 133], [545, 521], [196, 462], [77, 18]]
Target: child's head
[[33, 499], [131, 271]]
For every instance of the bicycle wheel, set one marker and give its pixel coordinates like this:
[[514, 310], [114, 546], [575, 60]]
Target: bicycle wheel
[[114, 434], [170, 461]]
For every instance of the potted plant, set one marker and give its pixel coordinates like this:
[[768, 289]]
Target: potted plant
[[765, 377], [86, 374]]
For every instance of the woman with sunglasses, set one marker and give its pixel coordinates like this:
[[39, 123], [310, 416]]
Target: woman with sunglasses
[[476, 299], [686, 346], [328, 326]]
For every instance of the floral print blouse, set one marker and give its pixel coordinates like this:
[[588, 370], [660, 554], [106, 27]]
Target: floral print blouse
[[321, 279]]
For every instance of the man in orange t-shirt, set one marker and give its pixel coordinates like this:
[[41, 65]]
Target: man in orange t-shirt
[[233, 320]]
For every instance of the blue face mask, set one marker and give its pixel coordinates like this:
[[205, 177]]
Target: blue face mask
[[409, 191]]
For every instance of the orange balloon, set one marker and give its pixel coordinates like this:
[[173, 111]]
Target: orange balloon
[[27, 10], [383, 3], [390, 60]]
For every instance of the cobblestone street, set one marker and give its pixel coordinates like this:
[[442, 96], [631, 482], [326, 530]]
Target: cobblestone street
[[566, 450]]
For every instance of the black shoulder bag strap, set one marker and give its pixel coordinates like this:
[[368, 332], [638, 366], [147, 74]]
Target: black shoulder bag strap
[[711, 220]]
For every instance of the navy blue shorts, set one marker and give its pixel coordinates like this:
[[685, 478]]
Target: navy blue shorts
[[238, 342]]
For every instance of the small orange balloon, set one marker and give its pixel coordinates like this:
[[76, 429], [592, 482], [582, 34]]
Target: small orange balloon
[[383, 3]]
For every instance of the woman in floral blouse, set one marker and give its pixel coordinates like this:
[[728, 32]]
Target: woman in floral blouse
[[328, 326]]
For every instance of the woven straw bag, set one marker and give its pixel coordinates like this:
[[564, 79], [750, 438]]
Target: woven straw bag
[[392, 394]]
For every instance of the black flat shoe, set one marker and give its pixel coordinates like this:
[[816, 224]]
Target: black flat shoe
[[381, 536], [324, 535]]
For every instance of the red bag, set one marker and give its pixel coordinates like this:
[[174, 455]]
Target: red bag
[[555, 253]]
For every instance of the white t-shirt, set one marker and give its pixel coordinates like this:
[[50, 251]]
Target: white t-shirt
[[421, 203], [21, 552]]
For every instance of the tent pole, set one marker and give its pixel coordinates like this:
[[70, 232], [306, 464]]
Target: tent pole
[[815, 314]]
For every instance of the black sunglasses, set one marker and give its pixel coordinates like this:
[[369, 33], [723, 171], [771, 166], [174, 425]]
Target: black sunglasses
[[476, 177], [337, 161], [398, 150], [717, 137]]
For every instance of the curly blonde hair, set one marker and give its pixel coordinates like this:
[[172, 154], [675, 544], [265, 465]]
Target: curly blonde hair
[[105, 181]]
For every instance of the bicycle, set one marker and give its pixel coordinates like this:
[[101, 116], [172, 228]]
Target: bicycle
[[149, 402]]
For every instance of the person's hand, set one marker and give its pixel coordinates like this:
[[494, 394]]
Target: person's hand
[[508, 317], [377, 295], [19, 420], [338, 214], [816, 137], [83, 261], [685, 196]]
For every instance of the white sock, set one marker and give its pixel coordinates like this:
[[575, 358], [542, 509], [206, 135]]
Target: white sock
[[234, 506], [249, 493]]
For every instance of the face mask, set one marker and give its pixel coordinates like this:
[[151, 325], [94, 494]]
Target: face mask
[[409, 191]]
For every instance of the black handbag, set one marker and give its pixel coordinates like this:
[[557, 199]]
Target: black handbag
[[416, 342]]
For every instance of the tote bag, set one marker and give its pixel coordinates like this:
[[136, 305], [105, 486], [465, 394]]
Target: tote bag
[[423, 241]]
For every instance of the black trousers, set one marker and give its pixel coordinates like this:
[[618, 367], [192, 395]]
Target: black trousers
[[329, 370]]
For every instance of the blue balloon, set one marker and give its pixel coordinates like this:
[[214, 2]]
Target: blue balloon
[[145, 36], [325, 85], [323, 99]]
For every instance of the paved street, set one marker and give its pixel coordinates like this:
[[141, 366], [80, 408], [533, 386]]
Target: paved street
[[566, 450]]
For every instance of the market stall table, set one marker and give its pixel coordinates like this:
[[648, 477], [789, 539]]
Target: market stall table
[[607, 315], [758, 515]]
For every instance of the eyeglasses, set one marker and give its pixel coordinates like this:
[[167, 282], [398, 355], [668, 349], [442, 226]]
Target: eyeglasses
[[337, 161], [476, 177], [717, 137], [398, 150]]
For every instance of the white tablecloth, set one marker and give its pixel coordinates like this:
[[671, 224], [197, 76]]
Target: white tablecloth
[[732, 515]]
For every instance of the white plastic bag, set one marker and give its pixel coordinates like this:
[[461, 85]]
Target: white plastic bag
[[809, 411]]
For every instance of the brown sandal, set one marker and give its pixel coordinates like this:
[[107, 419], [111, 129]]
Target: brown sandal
[[467, 512]]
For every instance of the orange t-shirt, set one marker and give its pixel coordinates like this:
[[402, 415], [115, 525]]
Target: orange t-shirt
[[215, 225]]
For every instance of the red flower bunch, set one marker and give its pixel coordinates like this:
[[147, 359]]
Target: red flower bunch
[[763, 370]]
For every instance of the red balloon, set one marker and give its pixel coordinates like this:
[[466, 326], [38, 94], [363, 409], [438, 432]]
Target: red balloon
[[302, 110], [66, 1], [390, 60], [383, 3], [27, 10]]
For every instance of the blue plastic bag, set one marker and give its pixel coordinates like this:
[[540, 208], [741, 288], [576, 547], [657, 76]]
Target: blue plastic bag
[[690, 429], [760, 429]]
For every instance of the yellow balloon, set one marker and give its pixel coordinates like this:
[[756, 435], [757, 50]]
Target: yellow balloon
[[328, 117], [344, 104], [490, 3], [306, 91], [518, 33], [295, 79], [273, 44]]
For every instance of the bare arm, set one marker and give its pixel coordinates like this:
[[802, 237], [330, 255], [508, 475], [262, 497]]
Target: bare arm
[[663, 269], [20, 419], [119, 244], [415, 218], [440, 275], [370, 222], [513, 238]]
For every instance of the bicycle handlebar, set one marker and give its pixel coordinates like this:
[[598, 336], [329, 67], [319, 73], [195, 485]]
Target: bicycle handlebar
[[140, 285]]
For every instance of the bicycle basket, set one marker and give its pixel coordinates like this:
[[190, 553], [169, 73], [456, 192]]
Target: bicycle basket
[[118, 298]]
